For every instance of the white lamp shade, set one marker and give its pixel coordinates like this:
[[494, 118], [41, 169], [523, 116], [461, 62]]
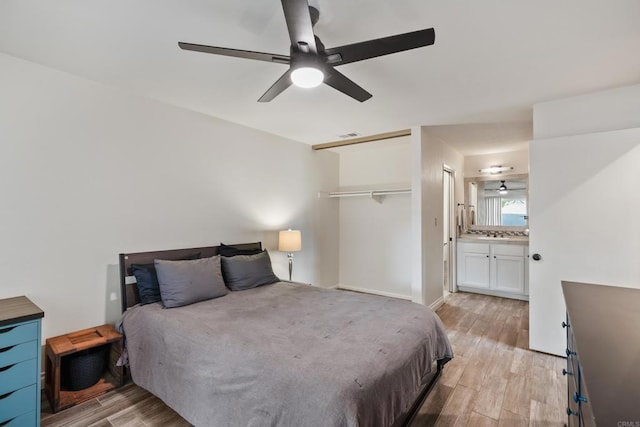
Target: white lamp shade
[[289, 241]]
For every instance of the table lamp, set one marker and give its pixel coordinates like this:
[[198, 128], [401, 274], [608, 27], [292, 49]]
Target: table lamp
[[290, 241]]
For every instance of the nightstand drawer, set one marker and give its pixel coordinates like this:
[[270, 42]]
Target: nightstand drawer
[[18, 353], [14, 377], [12, 335], [24, 420], [17, 403]]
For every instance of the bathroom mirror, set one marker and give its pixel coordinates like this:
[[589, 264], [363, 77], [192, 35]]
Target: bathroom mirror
[[495, 201]]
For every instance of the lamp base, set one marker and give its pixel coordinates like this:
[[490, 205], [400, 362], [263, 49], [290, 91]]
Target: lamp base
[[290, 256]]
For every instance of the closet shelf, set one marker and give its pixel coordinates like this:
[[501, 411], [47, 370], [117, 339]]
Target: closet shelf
[[374, 194]]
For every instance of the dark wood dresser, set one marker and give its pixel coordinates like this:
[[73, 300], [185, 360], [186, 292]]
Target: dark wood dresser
[[603, 355]]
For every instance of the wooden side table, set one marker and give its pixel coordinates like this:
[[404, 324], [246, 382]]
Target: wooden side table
[[64, 345]]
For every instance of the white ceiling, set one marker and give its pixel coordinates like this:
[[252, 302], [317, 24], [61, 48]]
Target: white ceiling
[[491, 60]]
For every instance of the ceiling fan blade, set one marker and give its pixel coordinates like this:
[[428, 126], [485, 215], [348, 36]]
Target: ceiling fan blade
[[247, 54], [384, 46], [296, 13], [340, 82], [277, 88]]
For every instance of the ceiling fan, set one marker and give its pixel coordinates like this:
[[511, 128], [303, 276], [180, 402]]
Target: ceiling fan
[[310, 63]]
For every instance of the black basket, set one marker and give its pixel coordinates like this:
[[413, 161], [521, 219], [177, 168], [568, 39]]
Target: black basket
[[84, 368]]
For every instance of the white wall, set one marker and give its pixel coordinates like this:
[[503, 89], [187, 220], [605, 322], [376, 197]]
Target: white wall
[[593, 112], [375, 238], [87, 172], [430, 155], [519, 160], [381, 163], [584, 202]]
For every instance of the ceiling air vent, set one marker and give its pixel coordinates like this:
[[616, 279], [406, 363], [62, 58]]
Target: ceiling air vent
[[349, 135]]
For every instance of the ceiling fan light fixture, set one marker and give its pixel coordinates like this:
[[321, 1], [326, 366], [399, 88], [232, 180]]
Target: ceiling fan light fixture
[[309, 60], [503, 188], [307, 77]]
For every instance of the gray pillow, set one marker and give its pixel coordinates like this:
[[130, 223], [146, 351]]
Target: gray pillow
[[248, 271], [186, 282]]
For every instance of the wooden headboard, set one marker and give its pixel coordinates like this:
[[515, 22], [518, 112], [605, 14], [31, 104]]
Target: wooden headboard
[[128, 289]]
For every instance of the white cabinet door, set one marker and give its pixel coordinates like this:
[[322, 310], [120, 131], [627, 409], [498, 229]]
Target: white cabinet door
[[475, 270], [508, 273], [508, 268], [474, 265]]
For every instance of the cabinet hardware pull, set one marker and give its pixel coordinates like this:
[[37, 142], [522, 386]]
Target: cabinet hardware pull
[[2, 350], [4, 331], [577, 398], [571, 353], [4, 396], [570, 412], [565, 325], [565, 372], [6, 368]]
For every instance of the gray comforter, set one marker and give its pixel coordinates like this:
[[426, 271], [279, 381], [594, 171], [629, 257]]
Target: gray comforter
[[287, 355]]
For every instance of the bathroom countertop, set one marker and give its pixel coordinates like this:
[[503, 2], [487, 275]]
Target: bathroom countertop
[[517, 240]]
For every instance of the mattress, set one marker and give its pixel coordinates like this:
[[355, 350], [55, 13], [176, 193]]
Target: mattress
[[286, 354]]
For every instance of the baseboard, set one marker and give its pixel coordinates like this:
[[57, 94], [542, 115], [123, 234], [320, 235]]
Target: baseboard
[[437, 304], [493, 293], [373, 292]]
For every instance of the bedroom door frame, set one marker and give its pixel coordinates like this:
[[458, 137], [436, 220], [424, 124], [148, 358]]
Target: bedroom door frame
[[448, 229]]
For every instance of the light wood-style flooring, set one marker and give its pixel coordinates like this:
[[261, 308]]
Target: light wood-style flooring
[[494, 380]]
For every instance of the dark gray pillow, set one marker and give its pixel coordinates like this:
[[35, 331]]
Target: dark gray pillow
[[186, 282], [147, 281], [248, 271], [230, 250]]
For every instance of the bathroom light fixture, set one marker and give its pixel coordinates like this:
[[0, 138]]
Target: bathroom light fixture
[[307, 77], [496, 169], [503, 188]]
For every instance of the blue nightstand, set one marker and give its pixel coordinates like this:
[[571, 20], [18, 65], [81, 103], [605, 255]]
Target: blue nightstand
[[20, 362]]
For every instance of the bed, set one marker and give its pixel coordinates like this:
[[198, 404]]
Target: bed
[[283, 354]]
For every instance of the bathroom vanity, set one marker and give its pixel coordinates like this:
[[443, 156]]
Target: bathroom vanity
[[494, 265], [493, 246]]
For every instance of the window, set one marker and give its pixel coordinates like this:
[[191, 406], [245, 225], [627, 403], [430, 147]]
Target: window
[[514, 211]]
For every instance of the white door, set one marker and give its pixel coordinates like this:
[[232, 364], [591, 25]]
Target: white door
[[585, 201]]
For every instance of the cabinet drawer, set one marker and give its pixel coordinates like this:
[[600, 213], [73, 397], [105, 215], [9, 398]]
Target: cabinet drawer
[[18, 353], [513, 250], [24, 420], [14, 377], [17, 403], [12, 335]]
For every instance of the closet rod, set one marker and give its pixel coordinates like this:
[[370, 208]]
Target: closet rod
[[370, 193]]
